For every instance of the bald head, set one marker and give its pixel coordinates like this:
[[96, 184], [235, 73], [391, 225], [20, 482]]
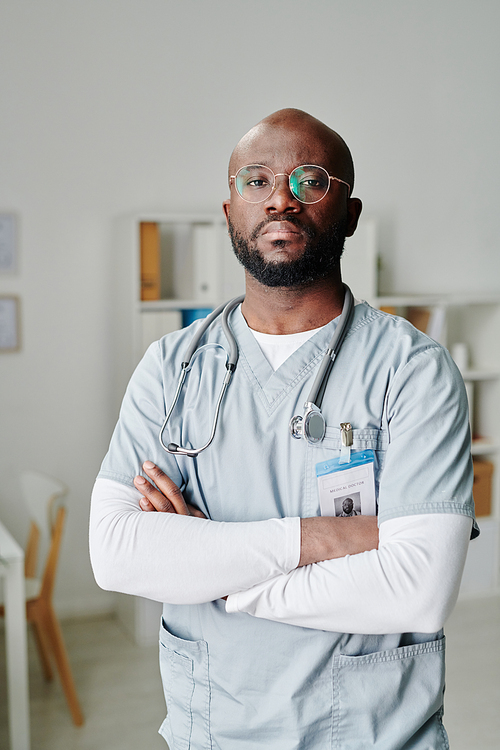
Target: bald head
[[313, 141]]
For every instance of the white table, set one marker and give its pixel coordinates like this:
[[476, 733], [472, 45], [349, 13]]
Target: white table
[[12, 571]]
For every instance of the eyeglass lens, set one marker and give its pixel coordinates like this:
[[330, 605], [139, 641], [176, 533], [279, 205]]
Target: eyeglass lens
[[308, 183]]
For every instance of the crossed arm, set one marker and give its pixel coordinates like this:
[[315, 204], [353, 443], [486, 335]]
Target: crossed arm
[[321, 538], [337, 574]]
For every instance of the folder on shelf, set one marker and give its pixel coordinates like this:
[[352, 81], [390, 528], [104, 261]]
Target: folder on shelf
[[150, 260], [483, 472], [205, 263]]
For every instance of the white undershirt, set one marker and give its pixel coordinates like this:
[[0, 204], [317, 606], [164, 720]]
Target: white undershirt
[[277, 348], [410, 584]]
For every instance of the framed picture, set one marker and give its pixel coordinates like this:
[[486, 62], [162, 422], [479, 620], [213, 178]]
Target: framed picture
[[9, 324], [8, 243]]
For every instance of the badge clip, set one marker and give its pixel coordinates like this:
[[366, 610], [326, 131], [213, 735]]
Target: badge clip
[[346, 437]]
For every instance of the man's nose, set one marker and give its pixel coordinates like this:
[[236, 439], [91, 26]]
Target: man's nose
[[282, 199]]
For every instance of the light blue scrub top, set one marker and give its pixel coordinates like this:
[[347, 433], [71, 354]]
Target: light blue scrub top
[[235, 682]]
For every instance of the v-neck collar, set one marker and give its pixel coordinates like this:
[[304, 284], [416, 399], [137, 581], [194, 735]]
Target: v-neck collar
[[273, 386]]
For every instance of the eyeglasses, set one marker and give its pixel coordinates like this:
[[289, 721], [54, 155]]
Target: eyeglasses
[[308, 183]]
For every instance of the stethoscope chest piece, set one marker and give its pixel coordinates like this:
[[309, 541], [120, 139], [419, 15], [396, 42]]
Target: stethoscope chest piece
[[312, 426]]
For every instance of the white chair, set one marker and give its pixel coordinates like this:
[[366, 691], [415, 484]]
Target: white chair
[[43, 496]]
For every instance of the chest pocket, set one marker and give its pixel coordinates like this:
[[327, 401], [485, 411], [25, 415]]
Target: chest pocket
[[369, 438]]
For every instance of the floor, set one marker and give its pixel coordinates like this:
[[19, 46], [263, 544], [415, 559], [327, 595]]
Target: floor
[[119, 688], [122, 699]]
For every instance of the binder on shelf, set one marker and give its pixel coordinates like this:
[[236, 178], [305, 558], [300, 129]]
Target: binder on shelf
[[189, 316], [205, 263], [436, 327], [150, 260], [419, 317], [483, 472], [359, 261], [469, 389]]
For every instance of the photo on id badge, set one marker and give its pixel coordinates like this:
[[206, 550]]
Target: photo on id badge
[[347, 487]]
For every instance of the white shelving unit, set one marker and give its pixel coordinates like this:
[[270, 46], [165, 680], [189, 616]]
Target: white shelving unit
[[198, 271], [473, 320]]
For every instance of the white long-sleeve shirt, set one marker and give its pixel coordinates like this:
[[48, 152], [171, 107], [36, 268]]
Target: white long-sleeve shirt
[[410, 583]]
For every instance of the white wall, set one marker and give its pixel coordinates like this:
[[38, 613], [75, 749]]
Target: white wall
[[114, 106]]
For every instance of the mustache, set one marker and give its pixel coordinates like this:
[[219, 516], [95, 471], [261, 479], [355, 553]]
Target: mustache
[[290, 218]]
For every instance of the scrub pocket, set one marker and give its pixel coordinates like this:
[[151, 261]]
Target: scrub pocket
[[184, 673], [363, 439], [390, 700]]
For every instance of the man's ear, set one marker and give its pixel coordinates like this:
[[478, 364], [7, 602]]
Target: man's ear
[[354, 208], [226, 205]]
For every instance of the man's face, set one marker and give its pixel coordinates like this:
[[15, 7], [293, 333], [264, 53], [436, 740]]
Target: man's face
[[320, 256], [347, 505], [282, 242]]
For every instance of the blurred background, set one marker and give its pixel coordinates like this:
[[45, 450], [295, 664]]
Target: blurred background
[[112, 108]]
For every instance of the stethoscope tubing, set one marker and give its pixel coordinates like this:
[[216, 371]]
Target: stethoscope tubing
[[231, 362], [207, 323], [316, 394], [318, 388]]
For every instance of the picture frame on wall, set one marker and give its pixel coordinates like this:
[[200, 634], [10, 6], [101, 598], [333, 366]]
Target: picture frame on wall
[[9, 323], [8, 243]]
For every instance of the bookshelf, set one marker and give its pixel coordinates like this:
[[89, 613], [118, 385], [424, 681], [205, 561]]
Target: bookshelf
[[181, 264], [469, 324], [191, 266]]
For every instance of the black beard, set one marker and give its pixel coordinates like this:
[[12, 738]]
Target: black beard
[[321, 256]]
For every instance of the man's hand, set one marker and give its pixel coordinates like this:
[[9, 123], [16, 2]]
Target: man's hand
[[167, 498], [325, 537]]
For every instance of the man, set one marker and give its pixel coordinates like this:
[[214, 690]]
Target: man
[[348, 508], [283, 628]]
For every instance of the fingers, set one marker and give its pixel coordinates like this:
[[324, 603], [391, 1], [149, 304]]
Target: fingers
[[146, 504], [194, 511], [167, 498], [152, 499]]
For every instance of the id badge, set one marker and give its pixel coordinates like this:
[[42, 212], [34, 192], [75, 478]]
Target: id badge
[[347, 490]]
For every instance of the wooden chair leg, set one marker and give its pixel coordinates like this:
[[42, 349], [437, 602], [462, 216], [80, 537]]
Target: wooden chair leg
[[54, 634], [43, 649]]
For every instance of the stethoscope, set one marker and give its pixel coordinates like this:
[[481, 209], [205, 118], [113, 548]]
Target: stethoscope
[[311, 426]]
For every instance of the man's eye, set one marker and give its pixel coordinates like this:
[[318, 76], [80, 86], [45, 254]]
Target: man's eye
[[311, 183], [257, 182]]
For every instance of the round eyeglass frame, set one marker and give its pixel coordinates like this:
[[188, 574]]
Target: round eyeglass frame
[[233, 177]]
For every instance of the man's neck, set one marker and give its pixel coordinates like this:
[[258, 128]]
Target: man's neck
[[281, 311]]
